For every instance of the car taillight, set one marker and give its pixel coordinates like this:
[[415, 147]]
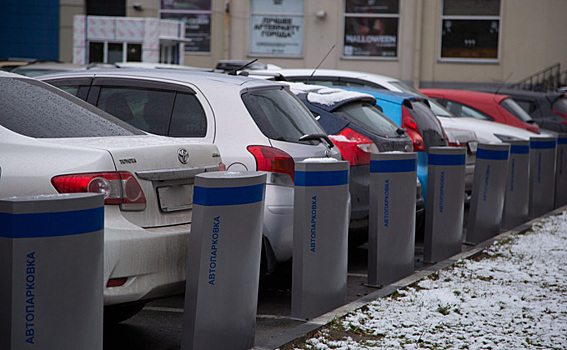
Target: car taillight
[[273, 160], [412, 130], [456, 143], [116, 282], [561, 114], [117, 187], [534, 128], [354, 147]]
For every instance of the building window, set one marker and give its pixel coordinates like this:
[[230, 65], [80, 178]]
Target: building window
[[276, 28], [106, 7], [470, 30], [197, 17], [107, 52], [371, 28]]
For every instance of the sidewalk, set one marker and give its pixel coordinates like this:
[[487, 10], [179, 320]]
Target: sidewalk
[[508, 295]]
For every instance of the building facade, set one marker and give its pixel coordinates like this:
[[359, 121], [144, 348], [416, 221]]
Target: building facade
[[429, 43]]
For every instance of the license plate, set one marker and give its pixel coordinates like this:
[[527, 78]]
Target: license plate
[[472, 146], [175, 198]]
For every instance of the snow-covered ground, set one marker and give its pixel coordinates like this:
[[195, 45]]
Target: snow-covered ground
[[514, 296]]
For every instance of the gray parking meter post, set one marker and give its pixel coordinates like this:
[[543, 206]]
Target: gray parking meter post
[[542, 175], [223, 262], [488, 192], [516, 200], [320, 237], [445, 203], [561, 171], [51, 268], [391, 235]]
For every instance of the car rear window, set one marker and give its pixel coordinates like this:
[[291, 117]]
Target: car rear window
[[367, 116], [429, 126], [36, 109], [280, 115], [517, 111]]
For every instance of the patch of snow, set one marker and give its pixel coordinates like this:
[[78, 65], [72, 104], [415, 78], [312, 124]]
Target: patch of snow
[[515, 297], [320, 160], [325, 95], [329, 97], [341, 138]]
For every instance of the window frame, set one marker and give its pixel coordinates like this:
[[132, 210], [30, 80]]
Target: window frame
[[444, 17], [377, 16]]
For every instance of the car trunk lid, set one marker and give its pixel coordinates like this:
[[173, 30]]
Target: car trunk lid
[[165, 170]]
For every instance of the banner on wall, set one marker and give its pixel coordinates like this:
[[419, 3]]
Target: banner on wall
[[276, 35], [276, 27], [371, 36]]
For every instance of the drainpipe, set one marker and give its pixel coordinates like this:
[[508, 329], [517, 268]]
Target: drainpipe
[[417, 42], [226, 30]]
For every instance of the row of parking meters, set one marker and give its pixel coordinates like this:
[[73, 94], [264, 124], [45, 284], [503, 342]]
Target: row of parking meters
[[54, 295]]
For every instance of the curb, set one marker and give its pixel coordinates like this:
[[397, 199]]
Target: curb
[[313, 325]]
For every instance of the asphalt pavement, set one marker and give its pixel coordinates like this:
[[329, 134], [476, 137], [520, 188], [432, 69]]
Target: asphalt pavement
[[159, 326]]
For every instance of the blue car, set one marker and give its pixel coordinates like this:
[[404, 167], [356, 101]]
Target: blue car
[[412, 113]]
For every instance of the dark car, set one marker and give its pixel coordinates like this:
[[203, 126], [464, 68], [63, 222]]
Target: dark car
[[412, 113], [548, 109], [358, 129]]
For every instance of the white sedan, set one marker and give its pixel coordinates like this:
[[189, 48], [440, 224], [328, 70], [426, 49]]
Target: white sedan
[[52, 143]]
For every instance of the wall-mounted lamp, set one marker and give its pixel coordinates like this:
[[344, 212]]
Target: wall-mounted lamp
[[321, 14], [137, 6]]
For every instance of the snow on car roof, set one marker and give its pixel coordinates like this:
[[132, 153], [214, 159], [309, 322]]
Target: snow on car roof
[[326, 96]]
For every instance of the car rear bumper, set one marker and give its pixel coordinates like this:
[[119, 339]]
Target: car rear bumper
[[278, 223], [153, 261]]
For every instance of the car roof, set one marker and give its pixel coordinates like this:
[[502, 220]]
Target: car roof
[[524, 93], [466, 95], [174, 75], [323, 72]]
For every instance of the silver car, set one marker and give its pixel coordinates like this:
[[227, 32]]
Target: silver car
[[256, 124]]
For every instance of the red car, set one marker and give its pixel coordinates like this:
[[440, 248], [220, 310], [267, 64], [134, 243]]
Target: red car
[[481, 105]]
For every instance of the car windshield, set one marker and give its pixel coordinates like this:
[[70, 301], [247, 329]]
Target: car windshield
[[35, 109], [280, 115], [367, 116], [406, 88], [515, 109], [436, 107]]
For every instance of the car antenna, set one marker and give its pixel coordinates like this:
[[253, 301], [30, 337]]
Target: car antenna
[[320, 63], [503, 83], [233, 72]]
